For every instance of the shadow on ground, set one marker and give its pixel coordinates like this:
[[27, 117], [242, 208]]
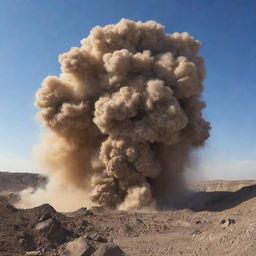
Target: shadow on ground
[[217, 201]]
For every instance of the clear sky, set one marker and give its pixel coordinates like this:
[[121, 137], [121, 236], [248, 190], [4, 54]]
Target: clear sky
[[34, 32]]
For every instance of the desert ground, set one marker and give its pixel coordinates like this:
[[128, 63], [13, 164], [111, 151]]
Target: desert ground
[[216, 218]]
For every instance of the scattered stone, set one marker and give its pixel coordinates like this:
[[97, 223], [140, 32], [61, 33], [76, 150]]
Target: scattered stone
[[227, 222], [196, 233], [96, 237], [232, 221], [22, 241], [79, 247], [165, 227], [251, 229], [222, 221], [109, 250], [127, 228]]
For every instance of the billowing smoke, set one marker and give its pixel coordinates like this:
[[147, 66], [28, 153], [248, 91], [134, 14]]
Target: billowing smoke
[[125, 113]]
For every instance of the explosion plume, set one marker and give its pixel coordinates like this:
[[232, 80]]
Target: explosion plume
[[125, 113]]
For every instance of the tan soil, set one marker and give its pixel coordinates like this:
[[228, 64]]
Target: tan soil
[[220, 219]]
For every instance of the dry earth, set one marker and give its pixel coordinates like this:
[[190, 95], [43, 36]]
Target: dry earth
[[218, 218]]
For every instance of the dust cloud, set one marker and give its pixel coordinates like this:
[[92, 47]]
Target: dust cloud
[[124, 115]]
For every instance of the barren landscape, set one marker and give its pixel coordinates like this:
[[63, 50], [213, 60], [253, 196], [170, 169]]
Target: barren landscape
[[215, 218], [128, 141]]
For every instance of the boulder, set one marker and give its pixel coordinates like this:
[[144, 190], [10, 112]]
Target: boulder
[[53, 230], [227, 222], [79, 247]]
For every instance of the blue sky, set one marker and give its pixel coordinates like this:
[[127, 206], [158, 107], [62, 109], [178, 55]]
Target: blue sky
[[34, 32]]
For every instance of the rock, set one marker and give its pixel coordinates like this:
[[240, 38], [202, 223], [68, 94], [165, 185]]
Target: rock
[[96, 237], [53, 229], [79, 247], [33, 253], [44, 210], [227, 222], [109, 250], [22, 241], [231, 221], [45, 216], [165, 227], [44, 225], [196, 233]]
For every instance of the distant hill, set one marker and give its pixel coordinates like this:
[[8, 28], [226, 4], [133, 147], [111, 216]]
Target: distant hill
[[15, 182]]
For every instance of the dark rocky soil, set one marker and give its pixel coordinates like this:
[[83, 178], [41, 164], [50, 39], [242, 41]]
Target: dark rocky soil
[[218, 219]]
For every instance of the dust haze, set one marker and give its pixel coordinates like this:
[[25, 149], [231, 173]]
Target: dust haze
[[123, 116]]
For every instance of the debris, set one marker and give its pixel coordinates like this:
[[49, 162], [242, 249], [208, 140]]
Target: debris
[[79, 247]]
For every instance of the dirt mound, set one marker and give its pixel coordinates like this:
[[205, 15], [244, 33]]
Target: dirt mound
[[27, 230], [43, 231]]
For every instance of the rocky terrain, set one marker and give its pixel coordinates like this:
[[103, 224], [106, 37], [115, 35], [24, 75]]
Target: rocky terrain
[[217, 218], [12, 183]]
